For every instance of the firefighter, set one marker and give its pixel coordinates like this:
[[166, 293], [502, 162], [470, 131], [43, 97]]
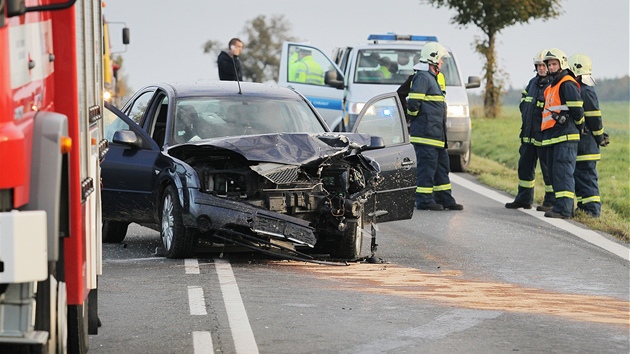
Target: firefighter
[[562, 121], [531, 150], [593, 136], [426, 109]]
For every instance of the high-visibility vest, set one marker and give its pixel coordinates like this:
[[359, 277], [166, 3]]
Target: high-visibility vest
[[553, 104]]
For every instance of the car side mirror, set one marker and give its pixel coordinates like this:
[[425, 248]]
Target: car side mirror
[[127, 137], [376, 142], [332, 79], [473, 82]]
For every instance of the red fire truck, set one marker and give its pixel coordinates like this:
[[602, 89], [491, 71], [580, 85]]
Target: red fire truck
[[51, 145]]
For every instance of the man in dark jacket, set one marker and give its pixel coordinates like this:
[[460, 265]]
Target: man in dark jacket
[[593, 136], [562, 121], [426, 109], [228, 62], [531, 150]]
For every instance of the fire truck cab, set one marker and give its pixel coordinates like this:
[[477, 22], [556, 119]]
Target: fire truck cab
[[51, 145]]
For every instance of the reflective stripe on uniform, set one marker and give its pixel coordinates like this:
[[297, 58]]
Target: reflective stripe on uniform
[[526, 184], [560, 139], [426, 141], [424, 190], [589, 157], [593, 199], [441, 188], [549, 188], [592, 113], [565, 194]]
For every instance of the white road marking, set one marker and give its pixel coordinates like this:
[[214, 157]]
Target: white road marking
[[202, 343], [191, 265], [244, 342], [196, 301], [585, 234]]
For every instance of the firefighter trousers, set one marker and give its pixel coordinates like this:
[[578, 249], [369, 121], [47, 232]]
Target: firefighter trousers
[[587, 188], [432, 181], [561, 164], [529, 156]]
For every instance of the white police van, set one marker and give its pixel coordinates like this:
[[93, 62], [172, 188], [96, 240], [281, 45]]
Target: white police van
[[357, 73]]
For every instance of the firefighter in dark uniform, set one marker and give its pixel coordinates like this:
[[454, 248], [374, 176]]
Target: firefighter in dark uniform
[[562, 121], [593, 136], [426, 110], [531, 150]]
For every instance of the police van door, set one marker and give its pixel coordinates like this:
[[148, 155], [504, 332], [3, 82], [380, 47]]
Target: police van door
[[309, 71]]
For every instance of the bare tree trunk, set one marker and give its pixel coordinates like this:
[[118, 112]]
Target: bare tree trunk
[[492, 95]]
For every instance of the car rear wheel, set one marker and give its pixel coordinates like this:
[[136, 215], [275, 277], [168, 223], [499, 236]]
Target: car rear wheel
[[114, 231], [459, 163], [178, 242]]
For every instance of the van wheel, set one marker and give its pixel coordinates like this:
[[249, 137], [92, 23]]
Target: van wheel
[[459, 163]]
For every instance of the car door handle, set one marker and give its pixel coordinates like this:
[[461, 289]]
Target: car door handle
[[407, 163]]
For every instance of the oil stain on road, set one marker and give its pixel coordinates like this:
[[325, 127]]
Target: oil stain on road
[[449, 288]]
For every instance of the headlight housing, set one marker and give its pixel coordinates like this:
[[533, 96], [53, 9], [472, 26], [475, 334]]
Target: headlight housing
[[457, 111]]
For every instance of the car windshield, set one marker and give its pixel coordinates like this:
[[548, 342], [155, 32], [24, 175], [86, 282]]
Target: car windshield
[[214, 117], [393, 66]]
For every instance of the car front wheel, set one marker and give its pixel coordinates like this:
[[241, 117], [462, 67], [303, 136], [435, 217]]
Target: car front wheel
[[351, 245], [178, 242]]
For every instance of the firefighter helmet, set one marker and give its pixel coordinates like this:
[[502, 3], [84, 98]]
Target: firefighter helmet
[[555, 53], [432, 52], [580, 64], [539, 58]]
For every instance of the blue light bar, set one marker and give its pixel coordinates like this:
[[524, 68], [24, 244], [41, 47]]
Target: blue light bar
[[401, 37]]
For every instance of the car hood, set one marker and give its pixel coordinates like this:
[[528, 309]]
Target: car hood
[[285, 148]]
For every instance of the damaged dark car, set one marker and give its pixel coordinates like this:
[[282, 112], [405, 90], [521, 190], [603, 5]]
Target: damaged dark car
[[254, 165]]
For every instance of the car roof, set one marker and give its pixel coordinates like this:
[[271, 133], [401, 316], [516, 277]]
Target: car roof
[[228, 88]]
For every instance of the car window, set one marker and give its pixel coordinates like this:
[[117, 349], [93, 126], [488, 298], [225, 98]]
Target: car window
[[137, 109], [307, 65], [112, 123], [393, 67], [383, 119], [212, 117]]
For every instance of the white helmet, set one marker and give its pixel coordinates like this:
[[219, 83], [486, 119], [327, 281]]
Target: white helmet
[[432, 52], [555, 53], [540, 57], [581, 64]]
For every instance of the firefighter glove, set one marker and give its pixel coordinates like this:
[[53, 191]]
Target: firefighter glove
[[605, 141]]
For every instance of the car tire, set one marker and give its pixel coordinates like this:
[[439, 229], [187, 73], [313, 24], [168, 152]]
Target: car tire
[[459, 163], [351, 246], [114, 231], [178, 242]]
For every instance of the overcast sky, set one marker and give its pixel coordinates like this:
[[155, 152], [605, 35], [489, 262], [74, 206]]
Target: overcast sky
[[167, 36]]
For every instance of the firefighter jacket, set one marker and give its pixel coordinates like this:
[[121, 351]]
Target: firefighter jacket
[[426, 108], [593, 134], [531, 107], [563, 115]]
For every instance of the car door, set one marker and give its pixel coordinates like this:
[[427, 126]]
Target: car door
[[383, 116], [326, 95], [128, 170]]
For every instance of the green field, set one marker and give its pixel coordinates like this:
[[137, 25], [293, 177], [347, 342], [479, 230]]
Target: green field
[[495, 146]]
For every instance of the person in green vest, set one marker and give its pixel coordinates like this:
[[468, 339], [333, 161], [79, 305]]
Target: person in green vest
[[306, 70]]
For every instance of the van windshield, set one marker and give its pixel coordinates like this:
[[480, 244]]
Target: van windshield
[[393, 66]]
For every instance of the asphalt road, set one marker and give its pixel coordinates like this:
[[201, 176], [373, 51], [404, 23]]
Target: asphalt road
[[482, 280]]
